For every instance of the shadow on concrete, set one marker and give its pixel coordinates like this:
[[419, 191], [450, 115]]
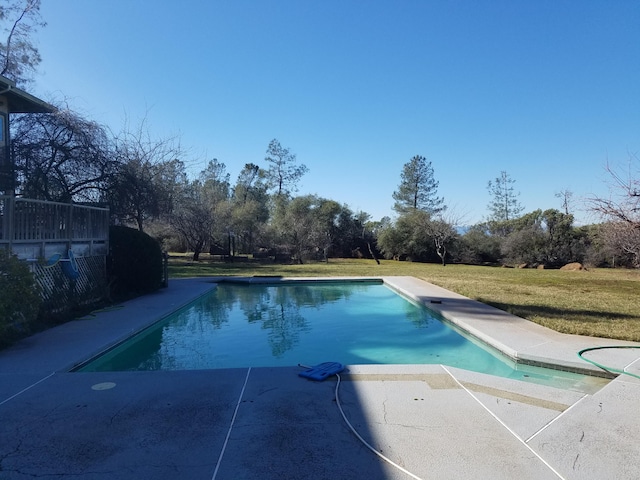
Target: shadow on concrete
[[168, 425], [127, 425], [290, 428]]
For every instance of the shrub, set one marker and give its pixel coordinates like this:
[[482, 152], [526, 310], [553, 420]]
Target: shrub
[[478, 246], [20, 299], [134, 264]]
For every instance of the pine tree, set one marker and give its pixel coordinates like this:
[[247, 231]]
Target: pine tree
[[504, 205], [283, 173], [418, 188]]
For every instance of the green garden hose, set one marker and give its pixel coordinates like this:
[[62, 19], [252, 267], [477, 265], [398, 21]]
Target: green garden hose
[[605, 368]]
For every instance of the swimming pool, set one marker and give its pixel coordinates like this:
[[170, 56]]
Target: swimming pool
[[242, 325]]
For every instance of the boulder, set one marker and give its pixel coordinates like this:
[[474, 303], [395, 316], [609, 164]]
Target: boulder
[[573, 266]]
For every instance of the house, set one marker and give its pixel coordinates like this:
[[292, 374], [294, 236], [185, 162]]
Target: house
[[65, 244]]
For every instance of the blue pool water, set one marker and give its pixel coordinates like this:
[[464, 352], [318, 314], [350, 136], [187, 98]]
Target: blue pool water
[[240, 325]]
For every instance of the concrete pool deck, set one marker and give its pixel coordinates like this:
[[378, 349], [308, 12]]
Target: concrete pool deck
[[267, 423]]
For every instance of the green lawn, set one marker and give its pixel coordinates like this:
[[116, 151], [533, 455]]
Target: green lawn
[[597, 302]]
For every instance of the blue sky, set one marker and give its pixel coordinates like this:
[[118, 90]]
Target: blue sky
[[548, 91]]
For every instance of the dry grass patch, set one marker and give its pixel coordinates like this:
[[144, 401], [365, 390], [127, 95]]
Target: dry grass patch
[[600, 302]]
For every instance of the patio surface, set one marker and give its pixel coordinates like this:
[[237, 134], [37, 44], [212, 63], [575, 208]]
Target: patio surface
[[267, 423]]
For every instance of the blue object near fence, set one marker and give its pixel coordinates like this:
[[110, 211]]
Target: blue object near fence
[[70, 266], [53, 260]]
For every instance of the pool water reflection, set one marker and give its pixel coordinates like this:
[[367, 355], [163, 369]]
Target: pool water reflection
[[241, 325]]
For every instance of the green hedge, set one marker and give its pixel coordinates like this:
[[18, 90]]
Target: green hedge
[[134, 264], [19, 299]]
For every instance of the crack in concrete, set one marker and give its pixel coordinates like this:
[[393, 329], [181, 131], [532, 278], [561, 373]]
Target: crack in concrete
[[384, 410], [575, 461]]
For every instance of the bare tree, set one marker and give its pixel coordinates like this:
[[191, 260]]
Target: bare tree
[[623, 239], [442, 231], [416, 235], [623, 202], [61, 156], [193, 218], [19, 58], [621, 209], [566, 197], [148, 177]]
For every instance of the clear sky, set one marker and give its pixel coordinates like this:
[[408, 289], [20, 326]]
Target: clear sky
[[548, 91]]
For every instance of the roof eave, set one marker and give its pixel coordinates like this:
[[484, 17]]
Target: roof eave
[[20, 101]]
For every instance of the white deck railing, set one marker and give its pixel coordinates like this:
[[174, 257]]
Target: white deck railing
[[38, 229]]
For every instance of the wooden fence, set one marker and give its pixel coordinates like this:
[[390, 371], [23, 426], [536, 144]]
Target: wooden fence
[[37, 229]]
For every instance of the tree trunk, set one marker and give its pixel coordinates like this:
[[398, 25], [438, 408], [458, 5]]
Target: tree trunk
[[372, 253], [441, 250]]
